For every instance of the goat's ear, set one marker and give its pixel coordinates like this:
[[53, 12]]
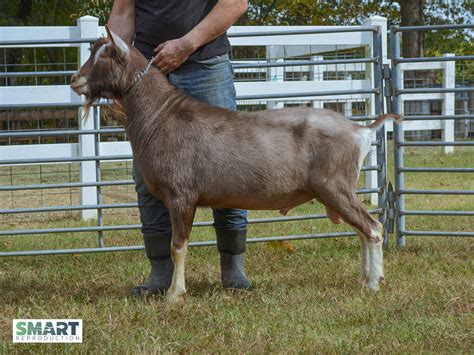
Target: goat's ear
[[117, 41]]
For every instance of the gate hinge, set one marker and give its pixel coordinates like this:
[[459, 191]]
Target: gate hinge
[[391, 207]]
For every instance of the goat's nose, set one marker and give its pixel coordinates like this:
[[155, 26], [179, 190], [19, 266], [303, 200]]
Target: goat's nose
[[73, 78]]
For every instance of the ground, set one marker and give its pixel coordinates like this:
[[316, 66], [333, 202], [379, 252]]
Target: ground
[[306, 295]]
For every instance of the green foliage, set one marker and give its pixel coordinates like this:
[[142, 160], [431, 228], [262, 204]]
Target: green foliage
[[448, 41], [345, 12], [38, 12], [275, 12], [51, 12], [271, 12], [457, 42], [337, 12], [98, 8], [308, 12]]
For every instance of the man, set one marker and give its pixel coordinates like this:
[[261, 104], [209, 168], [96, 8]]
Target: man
[[188, 40]]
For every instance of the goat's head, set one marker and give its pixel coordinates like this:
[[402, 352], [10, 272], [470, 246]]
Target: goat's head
[[104, 75]]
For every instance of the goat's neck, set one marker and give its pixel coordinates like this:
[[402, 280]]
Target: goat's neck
[[148, 94], [144, 103]]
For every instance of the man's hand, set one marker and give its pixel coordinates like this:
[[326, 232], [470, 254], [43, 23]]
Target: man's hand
[[171, 54]]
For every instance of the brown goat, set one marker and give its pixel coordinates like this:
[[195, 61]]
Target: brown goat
[[191, 154]]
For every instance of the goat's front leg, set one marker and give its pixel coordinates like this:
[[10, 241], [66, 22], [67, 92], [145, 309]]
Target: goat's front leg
[[182, 216]]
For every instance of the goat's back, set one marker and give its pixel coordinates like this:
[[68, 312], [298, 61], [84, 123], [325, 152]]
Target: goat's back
[[266, 156]]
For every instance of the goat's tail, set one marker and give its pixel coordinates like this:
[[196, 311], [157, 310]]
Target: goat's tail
[[382, 118]]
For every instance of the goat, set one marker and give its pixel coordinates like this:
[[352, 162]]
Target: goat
[[191, 154]]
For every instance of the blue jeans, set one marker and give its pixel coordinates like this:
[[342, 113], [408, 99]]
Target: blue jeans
[[212, 82]]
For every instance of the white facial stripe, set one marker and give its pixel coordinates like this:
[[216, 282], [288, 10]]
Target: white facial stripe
[[100, 51]]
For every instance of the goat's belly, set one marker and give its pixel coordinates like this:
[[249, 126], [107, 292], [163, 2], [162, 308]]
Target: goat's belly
[[258, 202]]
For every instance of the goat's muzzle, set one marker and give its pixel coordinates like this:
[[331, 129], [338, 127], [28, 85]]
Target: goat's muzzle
[[73, 78], [79, 84]]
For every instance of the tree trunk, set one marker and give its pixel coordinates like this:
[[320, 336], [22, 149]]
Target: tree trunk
[[413, 42], [24, 10]]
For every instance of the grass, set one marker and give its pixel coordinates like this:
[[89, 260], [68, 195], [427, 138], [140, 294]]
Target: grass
[[306, 297]]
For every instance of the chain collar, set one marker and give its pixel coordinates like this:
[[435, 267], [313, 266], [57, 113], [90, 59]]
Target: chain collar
[[139, 76]]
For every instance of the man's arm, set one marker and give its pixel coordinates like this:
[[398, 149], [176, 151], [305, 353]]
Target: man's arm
[[171, 54], [122, 19]]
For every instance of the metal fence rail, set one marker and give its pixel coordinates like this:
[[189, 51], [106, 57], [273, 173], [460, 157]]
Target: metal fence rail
[[191, 244], [400, 143], [137, 226], [374, 60]]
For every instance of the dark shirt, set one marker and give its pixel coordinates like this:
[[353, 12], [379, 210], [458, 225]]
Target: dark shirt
[[162, 20]]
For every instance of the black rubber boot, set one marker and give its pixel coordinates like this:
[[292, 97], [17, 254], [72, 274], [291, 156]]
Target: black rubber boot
[[231, 244], [158, 250]]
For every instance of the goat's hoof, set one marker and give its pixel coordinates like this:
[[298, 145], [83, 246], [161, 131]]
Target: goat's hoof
[[175, 296], [364, 279], [374, 285]]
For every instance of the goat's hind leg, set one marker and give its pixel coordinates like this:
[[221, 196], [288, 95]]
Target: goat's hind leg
[[376, 275], [365, 260], [371, 235], [370, 232], [181, 224]]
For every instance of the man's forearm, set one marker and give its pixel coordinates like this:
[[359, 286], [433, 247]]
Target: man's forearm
[[171, 54], [122, 19], [222, 16]]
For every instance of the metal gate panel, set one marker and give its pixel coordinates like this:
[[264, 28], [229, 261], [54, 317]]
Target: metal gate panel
[[400, 169]]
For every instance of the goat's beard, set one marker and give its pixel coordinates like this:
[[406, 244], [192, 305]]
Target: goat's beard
[[114, 109], [86, 106], [91, 97], [111, 93]]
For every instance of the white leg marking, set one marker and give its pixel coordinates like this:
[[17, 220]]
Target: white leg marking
[[376, 261], [178, 286], [365, 264]]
